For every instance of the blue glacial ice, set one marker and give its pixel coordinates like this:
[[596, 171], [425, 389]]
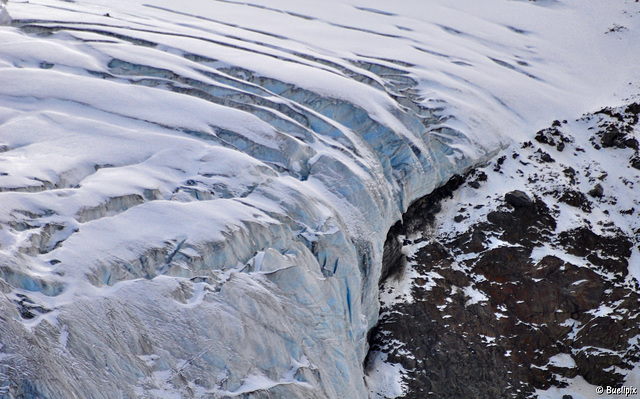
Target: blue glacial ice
[[194, 198]]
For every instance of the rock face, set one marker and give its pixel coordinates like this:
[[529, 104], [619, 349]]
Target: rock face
[[513, 294], [518, 199]]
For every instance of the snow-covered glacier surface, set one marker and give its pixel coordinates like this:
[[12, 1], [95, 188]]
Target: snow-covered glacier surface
[[194, 195]]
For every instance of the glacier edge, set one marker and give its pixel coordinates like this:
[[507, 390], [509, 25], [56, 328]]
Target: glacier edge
[[195, 207]]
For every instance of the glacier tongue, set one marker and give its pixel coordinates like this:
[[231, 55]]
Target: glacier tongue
[[194, 198]]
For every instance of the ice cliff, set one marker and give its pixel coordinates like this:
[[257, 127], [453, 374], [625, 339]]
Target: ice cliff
[[194, 196]]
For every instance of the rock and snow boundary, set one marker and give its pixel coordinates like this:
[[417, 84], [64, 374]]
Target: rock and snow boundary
[[194, 197], [525, 278]]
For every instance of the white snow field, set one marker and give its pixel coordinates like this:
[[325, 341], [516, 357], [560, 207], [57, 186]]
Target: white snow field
[[194, 194]]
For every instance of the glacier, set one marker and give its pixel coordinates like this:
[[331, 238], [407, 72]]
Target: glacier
[[194, 197]]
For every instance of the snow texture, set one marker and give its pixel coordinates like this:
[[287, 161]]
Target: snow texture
[[194, 195]]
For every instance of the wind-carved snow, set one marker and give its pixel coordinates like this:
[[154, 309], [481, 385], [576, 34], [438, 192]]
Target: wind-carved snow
[[194, 197]]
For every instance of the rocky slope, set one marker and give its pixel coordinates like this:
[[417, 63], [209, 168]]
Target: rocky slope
[[523, 276]]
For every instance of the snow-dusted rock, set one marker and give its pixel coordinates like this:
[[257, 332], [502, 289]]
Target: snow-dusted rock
[[532, 300]]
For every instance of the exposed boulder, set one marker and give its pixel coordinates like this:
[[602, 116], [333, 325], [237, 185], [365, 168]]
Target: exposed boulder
[[597, 191], [518, 199]]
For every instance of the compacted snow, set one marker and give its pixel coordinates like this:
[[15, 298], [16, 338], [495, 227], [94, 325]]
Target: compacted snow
[[194, 195]]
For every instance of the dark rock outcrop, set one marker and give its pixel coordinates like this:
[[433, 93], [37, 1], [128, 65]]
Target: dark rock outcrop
[[490, 316], [490, 326], [517, 199], [597, 191]]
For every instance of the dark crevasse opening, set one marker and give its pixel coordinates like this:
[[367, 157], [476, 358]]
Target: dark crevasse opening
[[392, 258], [419, 215]]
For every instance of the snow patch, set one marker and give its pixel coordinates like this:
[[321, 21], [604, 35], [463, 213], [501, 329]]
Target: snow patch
[[385, 380]]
